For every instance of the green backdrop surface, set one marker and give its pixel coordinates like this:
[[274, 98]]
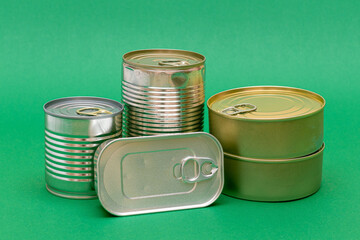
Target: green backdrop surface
[[53, 49]]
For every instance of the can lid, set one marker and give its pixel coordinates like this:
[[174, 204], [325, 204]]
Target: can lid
[[158, 173], [266, 103], [83, 107], [164, 58]]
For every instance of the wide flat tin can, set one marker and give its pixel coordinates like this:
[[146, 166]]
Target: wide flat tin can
[[163, 91], [273, 179], [160, 173], [74, 128], [267, 122]]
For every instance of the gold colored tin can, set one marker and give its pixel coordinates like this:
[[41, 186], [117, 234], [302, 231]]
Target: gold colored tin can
[[267, 122], [273, 180]]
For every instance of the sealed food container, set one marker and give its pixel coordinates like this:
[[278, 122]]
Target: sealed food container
[[163, 92], [74, 128], [267, 122], [273, 179], [158, 173]]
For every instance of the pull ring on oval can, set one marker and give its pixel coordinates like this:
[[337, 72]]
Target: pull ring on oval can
[[234, 110], [200, 163]]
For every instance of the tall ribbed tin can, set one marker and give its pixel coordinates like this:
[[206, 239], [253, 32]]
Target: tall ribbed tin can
[[74, 128], [163, 92]]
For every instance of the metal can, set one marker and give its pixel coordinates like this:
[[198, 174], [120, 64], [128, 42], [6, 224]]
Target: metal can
[[267, 122], [159, 173], [74, 128], [163, 92], [273, 179]]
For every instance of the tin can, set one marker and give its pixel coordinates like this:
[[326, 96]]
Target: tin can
[[163, 92], [159, 173], [74, 128], [273, 179], [267, 122]]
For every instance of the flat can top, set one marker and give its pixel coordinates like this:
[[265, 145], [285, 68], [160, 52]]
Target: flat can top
[[158, 173], [266, 103], [83, 107], [164, 59]]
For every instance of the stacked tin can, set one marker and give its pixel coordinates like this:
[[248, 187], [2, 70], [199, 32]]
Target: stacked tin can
[[163, 92], [74, 128], [272, 139]]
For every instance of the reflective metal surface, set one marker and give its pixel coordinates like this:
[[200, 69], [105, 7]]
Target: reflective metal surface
[[164, 58], [74, 128], [163, 125], [164, 112], [164, 87], [159, 173]]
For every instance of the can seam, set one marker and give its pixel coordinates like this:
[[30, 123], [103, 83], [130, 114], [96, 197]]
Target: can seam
[[276, 161]]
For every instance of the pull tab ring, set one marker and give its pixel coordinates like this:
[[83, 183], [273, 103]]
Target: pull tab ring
[[96, 111], [236, 109], [173, 62], [200, 163]]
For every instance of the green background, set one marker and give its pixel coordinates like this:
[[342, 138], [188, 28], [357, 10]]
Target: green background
[[53, 49]]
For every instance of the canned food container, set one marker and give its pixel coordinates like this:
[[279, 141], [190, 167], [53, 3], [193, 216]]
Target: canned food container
[[74, 128], [273, 180], [267, 122], [159, 173], [163, 92]]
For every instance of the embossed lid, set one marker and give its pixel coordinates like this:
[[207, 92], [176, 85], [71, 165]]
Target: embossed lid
[[160, 173], [83, 107], [164, 58], [266, 103]]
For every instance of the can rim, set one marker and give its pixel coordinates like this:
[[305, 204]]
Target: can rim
[[46, 105], [126, 56], [275, 161], [210, 100]]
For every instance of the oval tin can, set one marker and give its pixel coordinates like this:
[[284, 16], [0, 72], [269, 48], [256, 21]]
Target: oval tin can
[[159, 84], [267, 122], [159, 173], [273, 180], [74, 128]]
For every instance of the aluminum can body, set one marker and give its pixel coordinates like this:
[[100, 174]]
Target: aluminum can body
[[166, 89], [74, 128], [273, 180], [286, 123]]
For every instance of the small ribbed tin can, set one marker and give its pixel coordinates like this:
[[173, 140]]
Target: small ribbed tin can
[[267, 122], [163, 92], [74, 128], [273, 180]]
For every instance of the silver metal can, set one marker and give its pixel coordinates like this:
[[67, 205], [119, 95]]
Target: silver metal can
[[159, 173], [74, 128], [163, 92]]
